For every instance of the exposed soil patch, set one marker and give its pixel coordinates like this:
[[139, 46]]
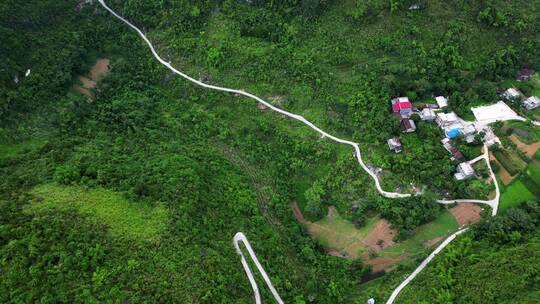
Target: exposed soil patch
[[350, 243], [505, 177], [466, 213], [530, 150], [261, 106], [380, 237], [100, 68], [331, 211], [432, 242], [381, 263]]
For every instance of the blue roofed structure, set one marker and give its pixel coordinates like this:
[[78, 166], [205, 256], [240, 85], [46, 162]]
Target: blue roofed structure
[[453, 133]]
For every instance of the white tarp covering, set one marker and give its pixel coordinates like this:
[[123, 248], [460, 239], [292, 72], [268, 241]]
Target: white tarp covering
[[495, 112]]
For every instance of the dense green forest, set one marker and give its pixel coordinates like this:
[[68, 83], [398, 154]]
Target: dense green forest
[[181, 169]]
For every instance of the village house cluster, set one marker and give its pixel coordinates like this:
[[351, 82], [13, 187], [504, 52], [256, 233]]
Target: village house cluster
[[450, 123], [514, 95], [453, 126]]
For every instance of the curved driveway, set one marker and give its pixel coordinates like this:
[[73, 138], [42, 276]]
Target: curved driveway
[[240, 237]]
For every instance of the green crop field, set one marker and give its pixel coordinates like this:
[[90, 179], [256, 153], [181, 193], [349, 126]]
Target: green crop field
[[511, 163], [340, 234], [534, 172], [514, 194]]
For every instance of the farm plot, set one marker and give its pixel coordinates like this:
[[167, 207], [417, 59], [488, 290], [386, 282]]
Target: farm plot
[[514, 194]]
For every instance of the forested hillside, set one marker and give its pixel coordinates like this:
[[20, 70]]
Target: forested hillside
[[132, 193]]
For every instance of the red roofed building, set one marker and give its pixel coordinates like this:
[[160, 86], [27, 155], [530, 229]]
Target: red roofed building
[[402, 105]]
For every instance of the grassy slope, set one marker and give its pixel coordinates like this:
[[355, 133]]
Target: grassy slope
[[340, 234], [534, 172], [439, 228], [134, 220]]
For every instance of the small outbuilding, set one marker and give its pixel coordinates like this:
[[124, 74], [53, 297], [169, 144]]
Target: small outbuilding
[[402, 105], [446, 119], [408, 125], [524, 74], [441, 101], [512, 94], [469, 131], [456, 154], [464, 171], [427, 114], [395, 144], [532, 102]]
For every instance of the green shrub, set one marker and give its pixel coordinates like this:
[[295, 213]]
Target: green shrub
[[495, 167], [66, 174]]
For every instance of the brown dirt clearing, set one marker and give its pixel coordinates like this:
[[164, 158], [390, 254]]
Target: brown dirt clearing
[[98, 70], [381, 263], [466, 213], [380, 237]]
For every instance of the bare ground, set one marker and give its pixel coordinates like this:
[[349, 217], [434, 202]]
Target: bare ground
[[298, 213], [380, 237], [466, 213], [381, 263], [432, 242], [97, 71]]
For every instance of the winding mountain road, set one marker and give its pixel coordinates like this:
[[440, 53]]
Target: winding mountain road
[[423, 265], [241, 238]]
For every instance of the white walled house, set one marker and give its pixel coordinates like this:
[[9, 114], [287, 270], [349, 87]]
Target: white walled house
[[427, 114], [464, 171], [512, 94], [532, 102]]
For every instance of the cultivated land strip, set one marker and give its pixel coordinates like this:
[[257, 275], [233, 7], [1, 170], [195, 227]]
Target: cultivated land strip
[[240, 237]]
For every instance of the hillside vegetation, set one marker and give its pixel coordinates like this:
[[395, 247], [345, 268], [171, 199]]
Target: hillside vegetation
[[82, 176]]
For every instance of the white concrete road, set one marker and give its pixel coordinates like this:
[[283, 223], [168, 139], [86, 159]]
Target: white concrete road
[[493, 203], [241, 237], [423, 265]]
